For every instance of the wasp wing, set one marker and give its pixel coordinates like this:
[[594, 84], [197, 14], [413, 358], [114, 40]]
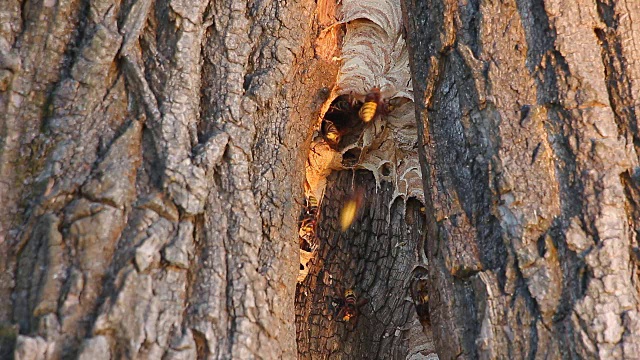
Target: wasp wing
[[362, 302]]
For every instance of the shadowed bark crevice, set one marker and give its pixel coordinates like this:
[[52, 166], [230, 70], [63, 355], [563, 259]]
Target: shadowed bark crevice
[[619, 84], [544, 134]]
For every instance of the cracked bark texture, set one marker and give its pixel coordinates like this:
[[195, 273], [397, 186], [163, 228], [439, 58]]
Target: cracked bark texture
[[150, 151], [529, 153]]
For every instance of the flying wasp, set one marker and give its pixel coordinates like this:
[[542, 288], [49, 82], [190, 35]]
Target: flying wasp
[[372, 106], [350, 209], [347, 307]]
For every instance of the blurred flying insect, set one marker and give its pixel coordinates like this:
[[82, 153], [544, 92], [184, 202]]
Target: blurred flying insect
[[348, 214], [350, 209], [347, 307], [372, 106]]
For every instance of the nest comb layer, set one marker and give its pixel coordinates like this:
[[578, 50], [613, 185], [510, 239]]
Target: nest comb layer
[[374, 54]]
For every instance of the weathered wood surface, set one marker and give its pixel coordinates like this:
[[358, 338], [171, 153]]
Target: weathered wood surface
[[530, 167], [149, 156], [151, 153]]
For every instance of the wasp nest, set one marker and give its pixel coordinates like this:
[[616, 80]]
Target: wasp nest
[[369, 120]]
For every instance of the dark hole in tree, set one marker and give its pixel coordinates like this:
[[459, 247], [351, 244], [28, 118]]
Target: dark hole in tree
[[304, 245], [351, 157], [542, 249], [385, 169], [345, 122], [343, 112], [247, 82]]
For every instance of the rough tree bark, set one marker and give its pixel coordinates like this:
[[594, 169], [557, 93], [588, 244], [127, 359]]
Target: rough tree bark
[[530, 168], [151, 154]]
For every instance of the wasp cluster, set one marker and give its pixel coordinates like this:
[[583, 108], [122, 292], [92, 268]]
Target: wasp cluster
[[342, 125], [347, 117], [307, 234], [308, 223]]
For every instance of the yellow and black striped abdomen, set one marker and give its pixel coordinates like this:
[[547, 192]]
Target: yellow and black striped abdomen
[[350, 297], [312, 206], [312, 202], [368, 111]]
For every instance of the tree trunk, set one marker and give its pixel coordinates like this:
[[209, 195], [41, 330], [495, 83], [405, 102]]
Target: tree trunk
[[151, 155], [153, 161], [529, 146]]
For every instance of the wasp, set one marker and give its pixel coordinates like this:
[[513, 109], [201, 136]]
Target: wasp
[[347, 307], [341, 119], [308, 222], [420, 293], [330, 133], [372, 106], [421, 299], [350, 209], [312, 205]]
